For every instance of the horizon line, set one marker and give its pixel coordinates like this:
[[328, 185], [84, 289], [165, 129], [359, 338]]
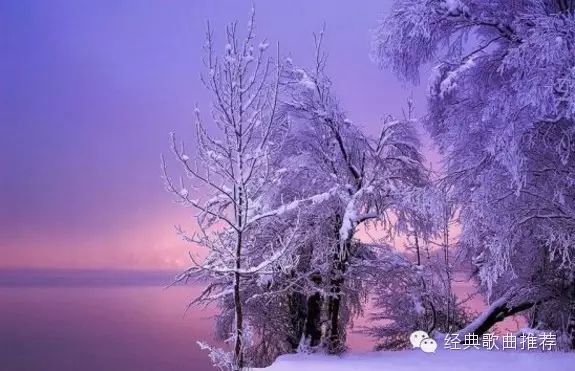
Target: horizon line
[[85, 277]]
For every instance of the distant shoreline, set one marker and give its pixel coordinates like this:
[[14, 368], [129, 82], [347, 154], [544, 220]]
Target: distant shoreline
[[60, 277]]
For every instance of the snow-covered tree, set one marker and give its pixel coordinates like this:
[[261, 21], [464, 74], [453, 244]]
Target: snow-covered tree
[[372, 177], [501, 110], [226, 173]]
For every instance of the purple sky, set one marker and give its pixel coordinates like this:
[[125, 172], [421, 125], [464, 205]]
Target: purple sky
[[89, 91]]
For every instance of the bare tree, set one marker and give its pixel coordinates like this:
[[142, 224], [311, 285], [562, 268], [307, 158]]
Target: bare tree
[[229, 171], [231, 167]]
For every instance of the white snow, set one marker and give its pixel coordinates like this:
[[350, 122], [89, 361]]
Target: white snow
[[441, 360], [450, 81], [314, 200], [322, 197], [348, 222], [263, 46], [452, 6], [306, 80], [472, 327], [418, 305], [214, 155]]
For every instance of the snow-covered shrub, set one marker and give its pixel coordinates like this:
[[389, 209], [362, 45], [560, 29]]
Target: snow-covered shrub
[[408, 297]]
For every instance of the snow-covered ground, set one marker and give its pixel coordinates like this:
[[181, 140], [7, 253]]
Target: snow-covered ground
[[442, 360]]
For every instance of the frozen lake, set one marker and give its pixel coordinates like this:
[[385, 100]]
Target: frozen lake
[[94, 321], [124, 328]]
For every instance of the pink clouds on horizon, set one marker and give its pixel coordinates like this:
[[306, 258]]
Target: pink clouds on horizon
[[153, 245]]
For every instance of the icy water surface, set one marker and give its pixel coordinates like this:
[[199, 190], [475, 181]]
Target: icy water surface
[[107, 328]]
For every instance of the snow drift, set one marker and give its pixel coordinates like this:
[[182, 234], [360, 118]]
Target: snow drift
[[442, 360]]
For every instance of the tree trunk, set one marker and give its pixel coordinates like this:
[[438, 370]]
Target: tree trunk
[[297, 306], [336, 331], [238, 352], [334, 307], [238, 346], [312, 328], [497, 312], [499, 315]]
